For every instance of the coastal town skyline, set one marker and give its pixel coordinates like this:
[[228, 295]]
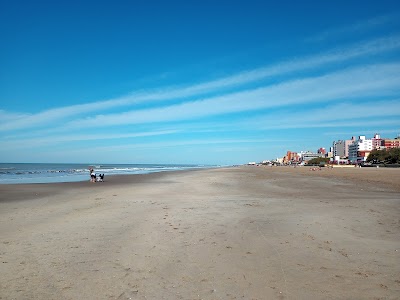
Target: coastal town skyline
[[207, 83], [354, 150]]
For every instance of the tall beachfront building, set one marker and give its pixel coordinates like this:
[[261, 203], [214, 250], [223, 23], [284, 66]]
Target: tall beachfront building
[[291, 157], [360, 149], [341, 147], [377, 142]]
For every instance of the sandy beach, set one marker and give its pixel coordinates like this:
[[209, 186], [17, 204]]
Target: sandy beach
[[234, 233]]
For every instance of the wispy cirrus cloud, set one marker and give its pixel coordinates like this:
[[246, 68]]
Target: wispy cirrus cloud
[[344, 111], [381, 132], [377, 113], [11, 121], [350, 29], [19, 141], [373, 113], [353, 83], [182, 143], [11, 116], [355, 123]]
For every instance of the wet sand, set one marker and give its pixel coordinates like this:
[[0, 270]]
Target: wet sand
[[234, 233]]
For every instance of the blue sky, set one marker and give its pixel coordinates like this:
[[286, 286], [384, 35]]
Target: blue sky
[[194, 81]]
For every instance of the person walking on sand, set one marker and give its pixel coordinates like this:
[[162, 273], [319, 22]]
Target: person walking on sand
[[92, 175]]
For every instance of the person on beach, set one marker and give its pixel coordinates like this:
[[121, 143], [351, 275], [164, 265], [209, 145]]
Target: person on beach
[[92, 175]]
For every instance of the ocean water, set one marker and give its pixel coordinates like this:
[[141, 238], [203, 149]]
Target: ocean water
[[46, 173]]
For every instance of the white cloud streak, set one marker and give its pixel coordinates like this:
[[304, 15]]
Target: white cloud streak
[[371, 132], [9, 116], [19, 121], [373, 113], [353, 83], [345, 111], [180, 143], [359, 27], [33, 142]]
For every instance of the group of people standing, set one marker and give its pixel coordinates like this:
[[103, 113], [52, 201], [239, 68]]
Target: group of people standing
[[94, 177]]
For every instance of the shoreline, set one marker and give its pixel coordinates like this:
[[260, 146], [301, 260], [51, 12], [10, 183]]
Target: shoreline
[[226, 233], [29, 173], [382, 178], [27, 191]]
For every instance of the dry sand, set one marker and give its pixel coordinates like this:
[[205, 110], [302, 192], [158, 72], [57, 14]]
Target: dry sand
[[235, 233]]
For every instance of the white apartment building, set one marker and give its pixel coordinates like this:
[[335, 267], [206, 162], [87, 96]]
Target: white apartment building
[[360, 149], [377, 141], [306, 156]]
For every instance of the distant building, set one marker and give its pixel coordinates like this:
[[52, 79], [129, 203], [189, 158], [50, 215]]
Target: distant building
[[377, 142], [306, 156], [360, 149], [339, 161], [291, 157], [321, 151], [329, 154], [341, 147], [391, 143]]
